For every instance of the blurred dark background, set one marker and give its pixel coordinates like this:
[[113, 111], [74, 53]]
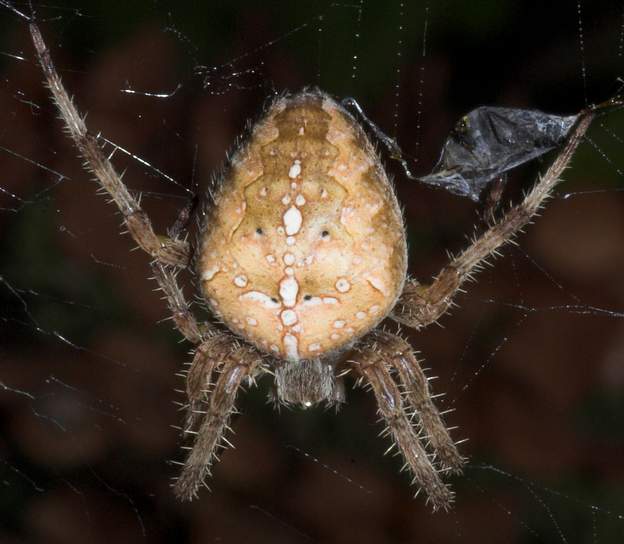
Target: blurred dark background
[[532, 360]]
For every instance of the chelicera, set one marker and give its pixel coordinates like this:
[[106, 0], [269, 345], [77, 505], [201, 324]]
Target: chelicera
[[301, 256]]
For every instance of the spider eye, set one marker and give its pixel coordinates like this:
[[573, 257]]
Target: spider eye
[[325, 234], [273, 299], [307, 297], [259, 231]]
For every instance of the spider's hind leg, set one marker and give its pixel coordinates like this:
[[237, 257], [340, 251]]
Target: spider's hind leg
[[373, 363]]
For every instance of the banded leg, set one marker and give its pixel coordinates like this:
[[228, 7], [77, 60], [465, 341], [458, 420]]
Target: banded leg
[[416, 389], [218, 351], [161, 248], [208, 358], [239, 363], [421, 305], [181, 313], [372, 365]]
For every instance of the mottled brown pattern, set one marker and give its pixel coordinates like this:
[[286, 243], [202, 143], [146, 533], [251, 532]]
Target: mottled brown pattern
[[308, 158]]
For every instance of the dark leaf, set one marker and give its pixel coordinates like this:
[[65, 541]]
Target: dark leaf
[[489, 141]]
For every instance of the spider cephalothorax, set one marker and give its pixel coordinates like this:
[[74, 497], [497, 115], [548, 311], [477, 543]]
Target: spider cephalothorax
[[300, 259]]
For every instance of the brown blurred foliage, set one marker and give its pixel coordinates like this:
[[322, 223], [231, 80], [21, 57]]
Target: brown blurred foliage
[[530, 361]]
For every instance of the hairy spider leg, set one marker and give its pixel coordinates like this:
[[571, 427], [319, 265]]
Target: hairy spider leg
[[420, 305], [372, 362], [161, 248], [238, 361], [415, 387], [208, 358], [238, 364]]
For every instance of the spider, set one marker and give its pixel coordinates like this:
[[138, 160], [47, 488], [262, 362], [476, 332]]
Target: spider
[[301, 256]]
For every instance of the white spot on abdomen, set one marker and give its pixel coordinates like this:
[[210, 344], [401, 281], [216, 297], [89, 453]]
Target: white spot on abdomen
[[288, 289], [289, 317], [291, 346], [240, 281], [260, 297], [378, 284], [207, 275], [343, 285], [292, 220], [295, 169]]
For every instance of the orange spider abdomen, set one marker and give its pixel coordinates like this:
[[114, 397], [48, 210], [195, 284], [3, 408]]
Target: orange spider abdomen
[[304, 250]]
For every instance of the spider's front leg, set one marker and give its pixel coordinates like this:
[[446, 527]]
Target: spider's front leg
[[373, 360], [236, 363], [421, 305], [161, 248]]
